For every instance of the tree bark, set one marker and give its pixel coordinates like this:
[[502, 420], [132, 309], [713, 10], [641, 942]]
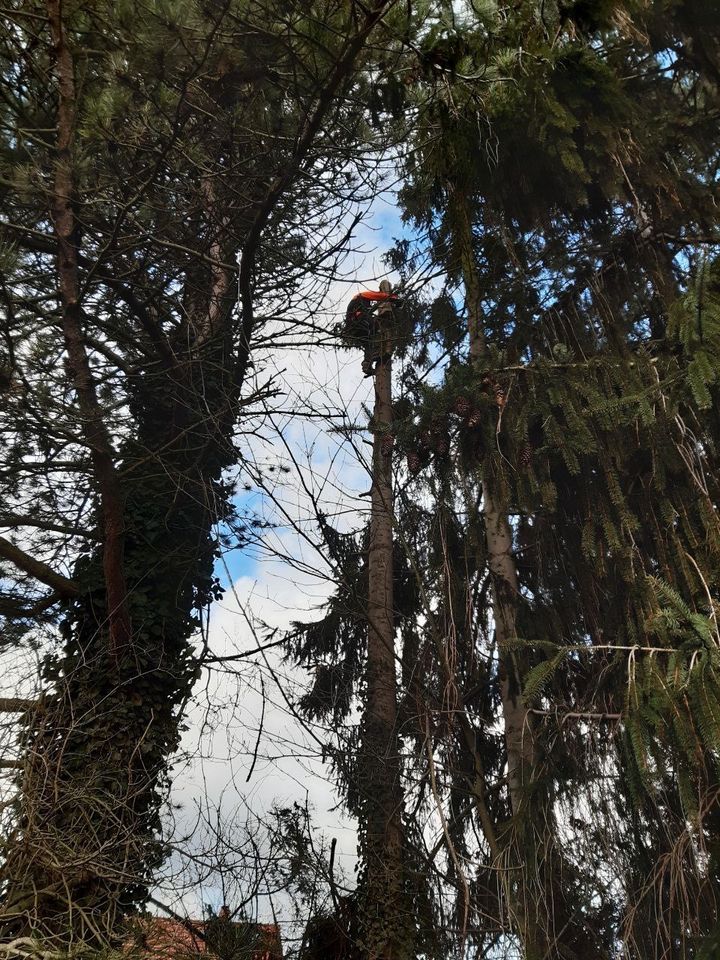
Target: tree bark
[[17, 705], [505, 593], [381, 801], [93, 425], [521, 887]]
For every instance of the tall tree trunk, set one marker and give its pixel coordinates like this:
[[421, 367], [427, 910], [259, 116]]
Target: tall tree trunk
[[519, 843], [93, 425], [381, 793]]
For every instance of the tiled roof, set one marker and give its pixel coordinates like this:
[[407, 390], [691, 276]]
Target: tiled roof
[[160, 938]]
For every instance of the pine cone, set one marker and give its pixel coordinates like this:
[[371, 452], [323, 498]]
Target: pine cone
[[526, 453], [414, 462], [500, 395], [442, 447], [386, 445], [475, 419], [462, 407], [439, 425]]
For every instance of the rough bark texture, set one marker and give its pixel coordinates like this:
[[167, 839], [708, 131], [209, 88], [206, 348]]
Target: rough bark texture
[[505, 593], [382, 913], [96, 436]]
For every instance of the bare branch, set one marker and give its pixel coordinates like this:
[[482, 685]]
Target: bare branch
[[20, 520], [16, 705], [305, 139], [36, 568]]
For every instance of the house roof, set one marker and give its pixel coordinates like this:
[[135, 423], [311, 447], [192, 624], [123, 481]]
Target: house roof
[[160, 938]]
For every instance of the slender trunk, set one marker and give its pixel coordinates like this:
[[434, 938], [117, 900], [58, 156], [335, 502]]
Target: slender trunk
[[519, 738], [382, 911], [93, 426], [519, 845]]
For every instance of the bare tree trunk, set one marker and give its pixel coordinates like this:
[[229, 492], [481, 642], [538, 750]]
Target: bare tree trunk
[[381, 801]]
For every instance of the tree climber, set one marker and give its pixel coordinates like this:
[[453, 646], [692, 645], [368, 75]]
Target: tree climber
[[363, 324]]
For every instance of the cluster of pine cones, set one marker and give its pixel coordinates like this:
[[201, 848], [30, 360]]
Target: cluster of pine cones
[[464, 409], [436, 439], [414, 463], [386, 444]]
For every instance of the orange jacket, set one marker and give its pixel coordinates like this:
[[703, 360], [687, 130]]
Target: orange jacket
[[374, 295]]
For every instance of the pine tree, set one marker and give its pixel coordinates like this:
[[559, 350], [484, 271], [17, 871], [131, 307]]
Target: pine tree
[[169, 142]]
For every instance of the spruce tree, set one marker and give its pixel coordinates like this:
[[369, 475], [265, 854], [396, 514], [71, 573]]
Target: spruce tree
[[541, 178], [558, 522]]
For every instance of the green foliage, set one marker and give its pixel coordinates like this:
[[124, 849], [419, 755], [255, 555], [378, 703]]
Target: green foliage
[[539, 184], [694, 322], [540, 677]]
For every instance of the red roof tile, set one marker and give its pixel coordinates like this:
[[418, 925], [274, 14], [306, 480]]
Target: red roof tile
[[160, 938]]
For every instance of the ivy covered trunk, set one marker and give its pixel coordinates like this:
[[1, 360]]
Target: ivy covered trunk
[[88, 833], [95, 776], [96, 749], [384, 925]]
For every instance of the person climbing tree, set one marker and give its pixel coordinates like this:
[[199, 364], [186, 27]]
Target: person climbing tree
[[364, 325]]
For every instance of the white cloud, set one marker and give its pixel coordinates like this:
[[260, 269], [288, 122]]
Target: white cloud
[[326, 473]]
